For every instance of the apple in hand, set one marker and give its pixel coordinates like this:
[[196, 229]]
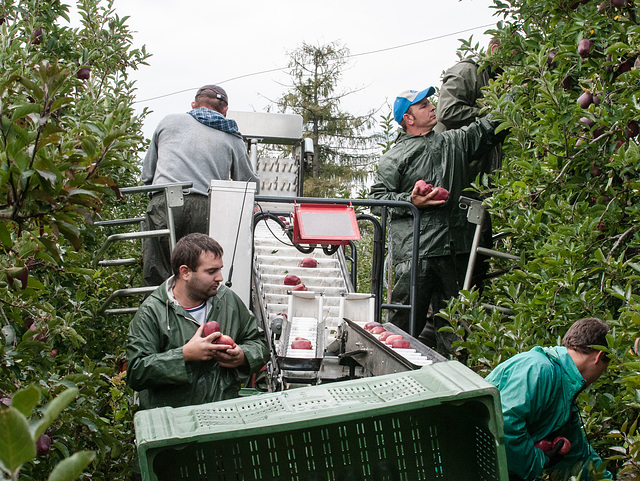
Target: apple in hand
[[566, 447], [210, 327], [224, 339], [422, 187], [441, 194]]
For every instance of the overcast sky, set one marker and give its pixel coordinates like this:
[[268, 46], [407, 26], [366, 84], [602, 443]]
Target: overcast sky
[[198, 42]]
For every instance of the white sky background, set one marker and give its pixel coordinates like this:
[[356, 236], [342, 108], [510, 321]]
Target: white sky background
[[198, 42]]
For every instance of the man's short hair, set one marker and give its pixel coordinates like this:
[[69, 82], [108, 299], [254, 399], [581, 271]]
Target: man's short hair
[[212, 97], [189, 249], [586, 332]]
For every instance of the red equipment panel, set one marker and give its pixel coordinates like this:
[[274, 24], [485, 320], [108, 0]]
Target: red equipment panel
[[325, 224]]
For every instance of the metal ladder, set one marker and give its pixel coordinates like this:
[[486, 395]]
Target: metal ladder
[[476, 214], [173, 198]]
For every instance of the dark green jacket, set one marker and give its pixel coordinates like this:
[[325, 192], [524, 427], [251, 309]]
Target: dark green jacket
[[538, 389], [156, 367], [461, 88], [440, 159]]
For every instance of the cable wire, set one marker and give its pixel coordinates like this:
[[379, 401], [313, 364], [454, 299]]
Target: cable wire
[[362, 54]]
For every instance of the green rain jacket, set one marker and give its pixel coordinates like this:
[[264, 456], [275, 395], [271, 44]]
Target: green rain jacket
[[156, 367], [538, 389], [440, 159]]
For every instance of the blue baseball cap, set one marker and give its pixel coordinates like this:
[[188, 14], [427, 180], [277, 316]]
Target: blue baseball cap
[[407, 98]]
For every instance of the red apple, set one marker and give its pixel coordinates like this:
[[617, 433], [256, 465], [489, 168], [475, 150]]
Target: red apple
[[299, 287], [584, 48], [377, 330], [585, 100], [401, 344], [301, 343], [625, 65], [84, 73], [384, 335], [43, 444], [210, 327], [291, 280], [53, 353], [441, 194], [36, 38], [587, 121], [421, 185], [389, 340], [308, 262], [371, 325], [565, 448], [224, 339], [544, 445]]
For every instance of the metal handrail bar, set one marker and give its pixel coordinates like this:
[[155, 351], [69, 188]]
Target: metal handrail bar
[[384, 204]]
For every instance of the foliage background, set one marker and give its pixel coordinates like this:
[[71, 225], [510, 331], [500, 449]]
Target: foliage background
[[568, 198], [66, 144]]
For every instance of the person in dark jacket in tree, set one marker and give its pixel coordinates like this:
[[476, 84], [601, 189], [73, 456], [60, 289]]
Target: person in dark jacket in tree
[[538, 391], [440, 159], [169, 362]]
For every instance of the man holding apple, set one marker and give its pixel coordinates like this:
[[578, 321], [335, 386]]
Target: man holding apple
[[169, 360], [538, 390], [421, 156]]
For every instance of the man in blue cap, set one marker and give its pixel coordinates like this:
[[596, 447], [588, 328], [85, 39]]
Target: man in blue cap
[[440, 159]]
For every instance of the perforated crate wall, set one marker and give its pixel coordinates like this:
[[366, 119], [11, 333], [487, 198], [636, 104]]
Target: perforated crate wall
[[409, 426]]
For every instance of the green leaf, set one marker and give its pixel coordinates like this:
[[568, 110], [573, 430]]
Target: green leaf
[[71, 468], [16, 444], [25, 400], [5, 236], [51, 411], [24, 110]]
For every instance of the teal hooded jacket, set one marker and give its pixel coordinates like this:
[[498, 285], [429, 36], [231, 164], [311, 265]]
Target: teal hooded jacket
[[538, 389], [155, 364]]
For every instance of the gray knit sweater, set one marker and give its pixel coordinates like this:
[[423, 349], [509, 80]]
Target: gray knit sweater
[[182, 150]]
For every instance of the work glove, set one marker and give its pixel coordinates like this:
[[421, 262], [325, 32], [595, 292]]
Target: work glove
[[553, 451]]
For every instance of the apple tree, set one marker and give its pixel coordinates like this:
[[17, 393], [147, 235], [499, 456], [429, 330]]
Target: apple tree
[[568, 197], [69, 138]]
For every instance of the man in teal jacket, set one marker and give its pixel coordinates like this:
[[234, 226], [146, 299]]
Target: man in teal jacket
[[538, 389], [440, 159], [168, 360]]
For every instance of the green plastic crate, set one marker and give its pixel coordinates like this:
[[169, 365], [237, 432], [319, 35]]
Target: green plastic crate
[[442, 422]]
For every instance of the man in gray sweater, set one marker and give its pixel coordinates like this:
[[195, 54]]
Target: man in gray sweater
[[197, 146]]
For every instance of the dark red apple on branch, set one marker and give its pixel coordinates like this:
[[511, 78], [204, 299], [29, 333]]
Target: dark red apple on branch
[[84, 73], [584, 48]]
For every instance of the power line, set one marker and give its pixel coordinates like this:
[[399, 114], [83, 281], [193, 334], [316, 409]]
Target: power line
[[279, 69]]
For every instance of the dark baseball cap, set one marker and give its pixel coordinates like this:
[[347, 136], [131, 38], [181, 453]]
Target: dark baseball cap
[[216, 91]]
